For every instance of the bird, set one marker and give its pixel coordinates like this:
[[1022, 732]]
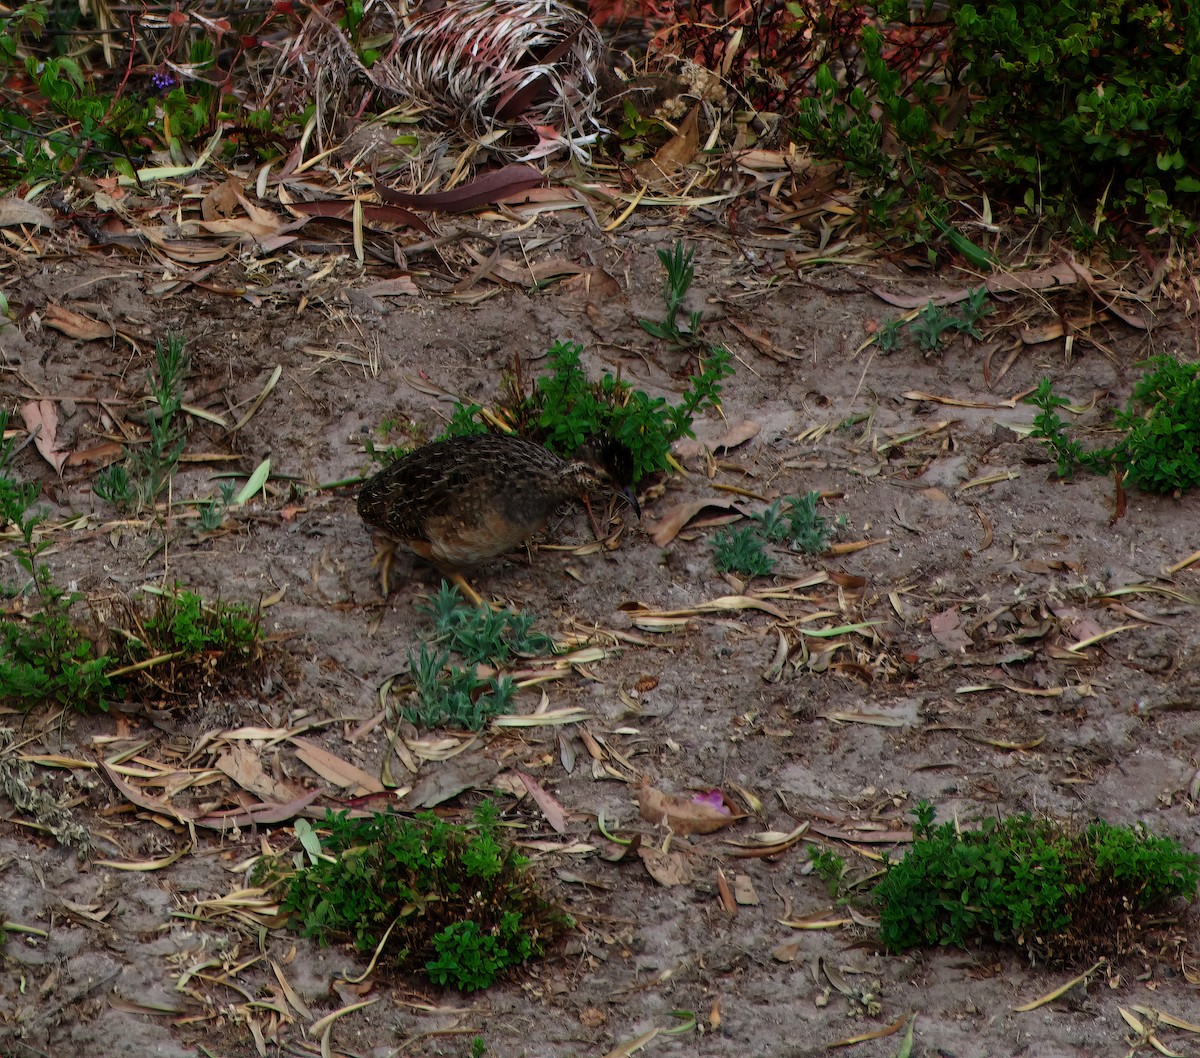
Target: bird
[[460, 501]]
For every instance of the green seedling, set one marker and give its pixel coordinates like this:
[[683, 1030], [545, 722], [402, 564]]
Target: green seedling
[[931, 323], [456, 901], [829, 867], [479, 633], [1059, 891], [741, 552], [795, 520], [450, 696], [147, 470], [212, 512], [680, 274]]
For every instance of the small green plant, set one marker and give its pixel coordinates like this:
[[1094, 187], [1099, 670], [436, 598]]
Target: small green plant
[[458, 902], [113, 484], [384, 452], [479, 633], [565, 409], [795, 519], [1060, 892], [183, 622], [448, 695], [45, 657], [741, 551], [16, 497], [478, 1047], [887, 338], [829, 867], [143, 477], [212, 512], [680, 274], [1160, 449]]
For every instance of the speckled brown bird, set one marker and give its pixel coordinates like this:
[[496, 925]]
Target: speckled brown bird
[[458, 502]]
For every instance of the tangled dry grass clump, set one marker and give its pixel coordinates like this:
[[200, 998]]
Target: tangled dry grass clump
[[518, 77]]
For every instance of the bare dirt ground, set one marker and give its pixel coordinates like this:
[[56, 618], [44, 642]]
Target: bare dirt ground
[[961, 516]]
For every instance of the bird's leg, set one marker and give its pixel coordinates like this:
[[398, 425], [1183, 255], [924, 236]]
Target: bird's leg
[[597, 532], [385, 555], [470, 593]]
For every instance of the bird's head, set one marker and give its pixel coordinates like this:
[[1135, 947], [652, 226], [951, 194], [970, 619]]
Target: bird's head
[[604, 464]]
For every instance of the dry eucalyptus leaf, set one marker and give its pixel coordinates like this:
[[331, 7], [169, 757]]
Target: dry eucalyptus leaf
[[75, 325], [669, 523], [738, 434], [41, 420], [702, 814], [666, 868], [16, 211], [946, 630]]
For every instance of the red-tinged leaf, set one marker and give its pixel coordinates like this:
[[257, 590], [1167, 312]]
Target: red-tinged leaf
[[685, 815], [551, 809], [259, 814], [497, 184], [512, 105], [383, 216]]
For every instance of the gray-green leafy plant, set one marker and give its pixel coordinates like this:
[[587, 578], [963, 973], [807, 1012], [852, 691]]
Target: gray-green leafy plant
[[741, 551]]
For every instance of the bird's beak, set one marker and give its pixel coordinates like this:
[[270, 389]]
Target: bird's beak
[[631, 496]]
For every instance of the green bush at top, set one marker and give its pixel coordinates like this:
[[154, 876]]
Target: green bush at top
[[1058, 891], [1080, 93], [1160, 450], [1084, 109]]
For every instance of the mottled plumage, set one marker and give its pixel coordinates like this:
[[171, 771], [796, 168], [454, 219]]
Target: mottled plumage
[[464, 500]]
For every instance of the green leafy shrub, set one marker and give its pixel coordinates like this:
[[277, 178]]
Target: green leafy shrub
[[44, 657], [1057, 891], [1080, 95], [565, 410], [458, 902], [1160, 451], [49, 654]]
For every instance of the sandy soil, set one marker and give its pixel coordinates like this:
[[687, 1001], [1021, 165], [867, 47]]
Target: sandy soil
[[847, 743]]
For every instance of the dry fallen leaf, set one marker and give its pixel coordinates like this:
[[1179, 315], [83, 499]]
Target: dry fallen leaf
[[670, 522], [946, 630], [737, 434], [702, 814], [75, 325], [16, 211], [666, 868], [41, 420], [676, 153]]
